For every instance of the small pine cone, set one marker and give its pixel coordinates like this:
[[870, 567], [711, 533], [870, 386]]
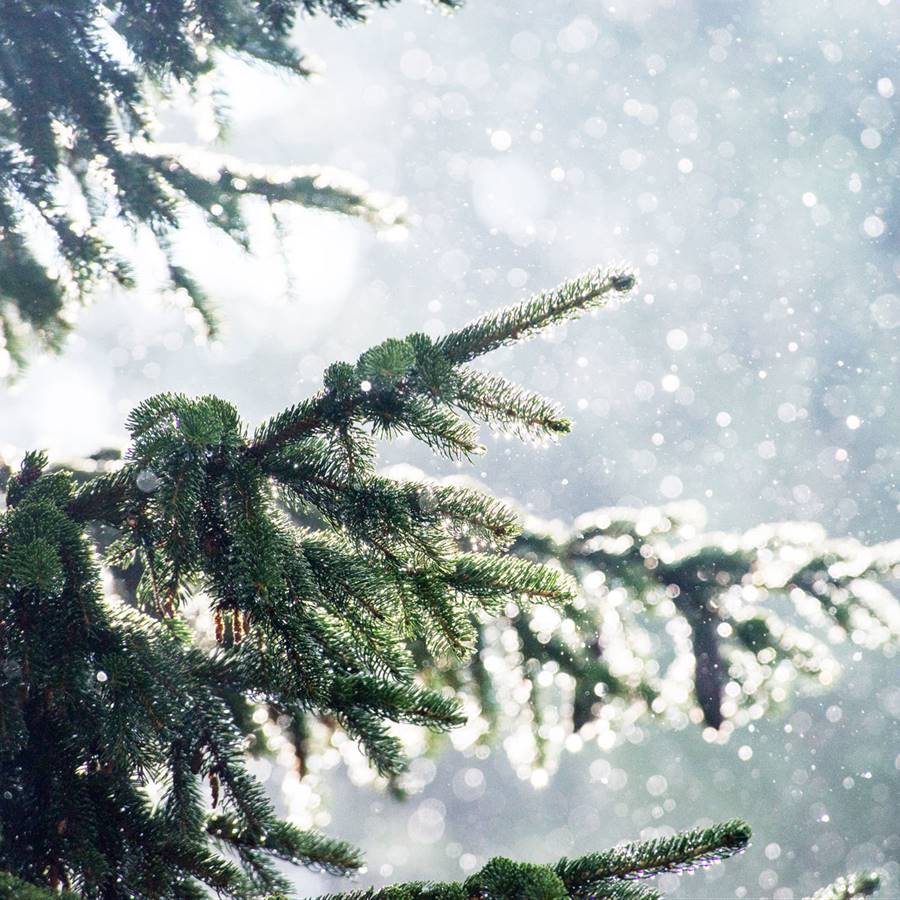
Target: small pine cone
[[220, 627], [237, 626]]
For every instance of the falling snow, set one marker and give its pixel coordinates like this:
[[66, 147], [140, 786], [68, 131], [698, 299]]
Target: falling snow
[[745, 158]]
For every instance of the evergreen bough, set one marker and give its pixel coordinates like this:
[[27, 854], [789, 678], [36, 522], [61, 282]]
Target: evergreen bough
[[611, 875], [79, 80], [670, 622]]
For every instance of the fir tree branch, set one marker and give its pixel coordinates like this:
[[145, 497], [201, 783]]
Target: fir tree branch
[[642, 576], [308, 621], [218, 184], [411, 890], [488, 577], [288, 843], [598, 876], [12, 888], [414, 384], [80, 80], [491, 398], [516, 323], [859, 884], [680, 853], [541, 886]]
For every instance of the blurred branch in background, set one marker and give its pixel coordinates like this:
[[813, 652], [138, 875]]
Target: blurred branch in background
[[689, 627], [859, 884], [79, 85]]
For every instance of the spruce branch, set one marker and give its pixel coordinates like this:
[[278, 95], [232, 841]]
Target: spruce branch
[[137, 700], [489, 577], [681, 853], [80, 81], [859, 884], [598, 876], [310, 619], [288, 843], [491, 398], [314, 617], [218, 185], [411, 890], [422, 890], [515, 323], [12, 888], [651, 577], [414, 385]]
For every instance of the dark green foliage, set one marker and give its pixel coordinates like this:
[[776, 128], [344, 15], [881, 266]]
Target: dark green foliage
[[105, 705], [610, 875], [97, 702], [78, 80], [12, 888]]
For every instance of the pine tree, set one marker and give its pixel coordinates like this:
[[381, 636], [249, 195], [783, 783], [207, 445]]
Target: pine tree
[[337, 593]]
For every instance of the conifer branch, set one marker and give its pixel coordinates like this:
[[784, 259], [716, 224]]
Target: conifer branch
[[597, 876], [12, 888], [539, 887], [218, 184], [414, 384], [859, 884], [491, 398], [840, 579], [78, 82], [308, 620], [680, 853], [637, 571], [491, 577], [288, 843], [519, 322]]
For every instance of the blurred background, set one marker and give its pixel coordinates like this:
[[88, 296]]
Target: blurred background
[[744, 157]]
